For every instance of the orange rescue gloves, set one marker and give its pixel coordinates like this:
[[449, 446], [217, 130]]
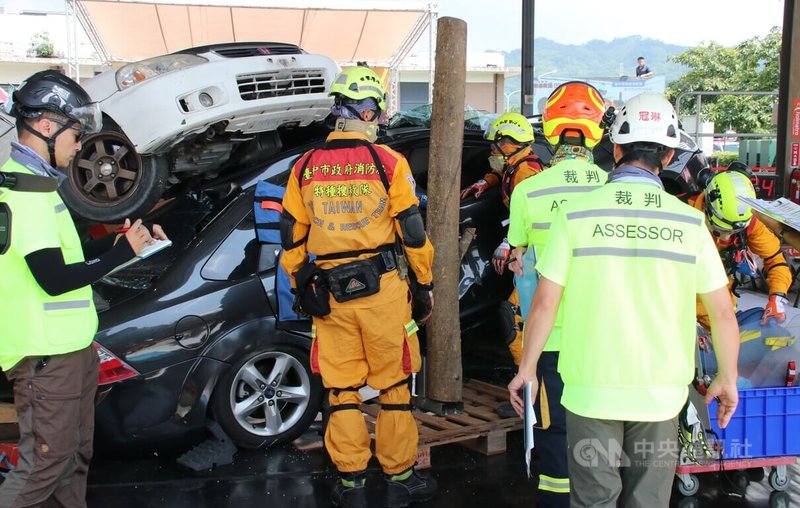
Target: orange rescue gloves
[[775, 309], [761, 242], [376, 345]]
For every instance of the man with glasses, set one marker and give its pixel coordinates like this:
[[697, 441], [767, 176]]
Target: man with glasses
[[48, 318], [739, 236]]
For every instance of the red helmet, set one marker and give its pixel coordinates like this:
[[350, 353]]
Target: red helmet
[[572, 115]]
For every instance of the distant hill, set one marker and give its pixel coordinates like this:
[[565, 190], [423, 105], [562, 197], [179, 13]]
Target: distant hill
[[598, 58]]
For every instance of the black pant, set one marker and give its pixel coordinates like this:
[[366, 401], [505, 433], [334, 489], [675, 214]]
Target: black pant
[[550, 435]]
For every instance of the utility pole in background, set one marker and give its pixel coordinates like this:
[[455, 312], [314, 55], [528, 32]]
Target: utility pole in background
[[526, 97], [788, 150]]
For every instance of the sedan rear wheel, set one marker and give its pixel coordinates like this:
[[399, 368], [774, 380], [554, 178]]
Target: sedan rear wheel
[[268, 397]]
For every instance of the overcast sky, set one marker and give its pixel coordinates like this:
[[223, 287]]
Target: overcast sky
[[683, 22], [496, 24]]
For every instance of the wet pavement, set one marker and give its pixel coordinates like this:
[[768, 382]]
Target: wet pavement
[[286, 477]]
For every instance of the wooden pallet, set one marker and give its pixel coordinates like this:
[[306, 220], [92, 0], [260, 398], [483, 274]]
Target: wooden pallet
[[7, 413], [478, 427]]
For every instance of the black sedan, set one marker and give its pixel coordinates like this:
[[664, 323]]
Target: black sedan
[[191, 334]]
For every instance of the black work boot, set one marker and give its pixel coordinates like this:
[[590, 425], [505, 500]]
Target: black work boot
[[408, 487], [349, 491]]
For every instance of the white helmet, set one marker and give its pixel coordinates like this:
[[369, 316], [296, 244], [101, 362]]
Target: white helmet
[[648, 117]]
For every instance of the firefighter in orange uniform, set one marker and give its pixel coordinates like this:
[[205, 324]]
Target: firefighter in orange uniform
[[346, 204], [738, 235], [511, 161]]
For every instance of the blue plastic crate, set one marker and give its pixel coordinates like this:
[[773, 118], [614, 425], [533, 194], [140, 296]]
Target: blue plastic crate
[[766, 424]]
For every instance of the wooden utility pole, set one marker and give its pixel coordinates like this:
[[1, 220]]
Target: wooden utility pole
[[788, 154], [444, 375]]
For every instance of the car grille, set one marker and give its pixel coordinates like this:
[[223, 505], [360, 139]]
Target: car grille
[[280, 83], [242, 52]]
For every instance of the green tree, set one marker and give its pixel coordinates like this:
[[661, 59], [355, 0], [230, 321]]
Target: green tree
[[750, 66]]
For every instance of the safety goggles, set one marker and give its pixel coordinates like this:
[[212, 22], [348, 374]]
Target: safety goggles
[[71, 125]]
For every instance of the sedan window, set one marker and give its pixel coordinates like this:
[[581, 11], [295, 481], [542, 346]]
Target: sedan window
[[239, 255]]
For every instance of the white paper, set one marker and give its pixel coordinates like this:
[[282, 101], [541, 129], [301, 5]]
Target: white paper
[[530, 421], [149, 250], [782, 210]]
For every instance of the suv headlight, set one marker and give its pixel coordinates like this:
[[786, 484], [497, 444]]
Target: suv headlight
[[137, 72]]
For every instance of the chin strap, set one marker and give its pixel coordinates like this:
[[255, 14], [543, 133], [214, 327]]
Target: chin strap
[[369, 129], [51, 141]]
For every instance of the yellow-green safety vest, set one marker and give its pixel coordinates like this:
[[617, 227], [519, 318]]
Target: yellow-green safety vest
[[534, 205], [631, 259], [33, 323]]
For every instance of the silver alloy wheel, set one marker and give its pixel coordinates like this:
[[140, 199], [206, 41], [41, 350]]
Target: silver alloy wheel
[[270, 393]]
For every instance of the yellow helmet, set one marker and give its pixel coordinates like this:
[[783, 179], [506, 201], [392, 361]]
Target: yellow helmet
[[359, 83], [513, 125], [726, 213]]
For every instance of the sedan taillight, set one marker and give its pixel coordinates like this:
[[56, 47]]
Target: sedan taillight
[[112, 369]]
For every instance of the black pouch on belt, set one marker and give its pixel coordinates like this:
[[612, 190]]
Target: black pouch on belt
[[313, 290], [355, 280]]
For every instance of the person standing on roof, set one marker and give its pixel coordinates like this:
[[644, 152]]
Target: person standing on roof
[[511, 161], [642, 70], [739, 236], [571, 123], [48, 316], [346, 203], [628, 259]]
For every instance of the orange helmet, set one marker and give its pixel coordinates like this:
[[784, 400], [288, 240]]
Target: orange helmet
[[573, 112]]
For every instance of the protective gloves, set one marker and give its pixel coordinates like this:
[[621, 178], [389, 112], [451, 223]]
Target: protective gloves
[[478, 188], [775, 308], [422, 303], [500, 256]]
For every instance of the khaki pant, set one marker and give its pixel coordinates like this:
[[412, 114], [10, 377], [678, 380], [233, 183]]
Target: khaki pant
[[354, 346], [54, 399], [617, 463]]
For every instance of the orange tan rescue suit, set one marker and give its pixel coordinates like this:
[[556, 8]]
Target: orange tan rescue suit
[[520, 166], [340, 205], [761, 242]]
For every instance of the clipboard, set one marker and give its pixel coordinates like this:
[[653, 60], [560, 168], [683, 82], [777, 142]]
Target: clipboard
[[149, 250]]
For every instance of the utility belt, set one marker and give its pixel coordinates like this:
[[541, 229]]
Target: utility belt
[[346, 282]]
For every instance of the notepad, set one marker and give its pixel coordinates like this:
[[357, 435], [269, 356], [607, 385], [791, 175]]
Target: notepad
[[149, 250]]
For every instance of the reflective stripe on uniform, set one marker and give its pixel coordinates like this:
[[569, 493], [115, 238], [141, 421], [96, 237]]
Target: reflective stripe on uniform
[[61, 207], [411, 327], [639, 214], [633, 253], [540, 225], [561, 190], [74, 304], [557, 485]]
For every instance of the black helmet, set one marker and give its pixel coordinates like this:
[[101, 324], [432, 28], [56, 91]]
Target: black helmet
[[53, 91]]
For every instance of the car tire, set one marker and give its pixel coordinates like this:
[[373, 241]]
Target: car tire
[[268, 397], [109, 181]]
